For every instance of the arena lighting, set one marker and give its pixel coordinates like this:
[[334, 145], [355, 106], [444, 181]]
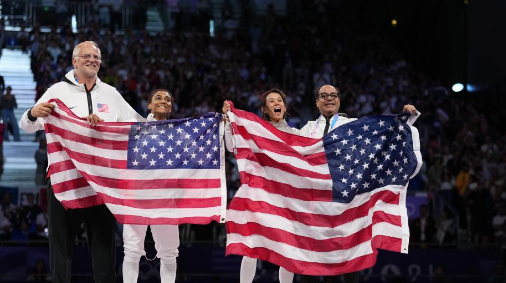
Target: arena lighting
[[474, 87], [394, 22], [211, 28], [73, 23], [458, 87]]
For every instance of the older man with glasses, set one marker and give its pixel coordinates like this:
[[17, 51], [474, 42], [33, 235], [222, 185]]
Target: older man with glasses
[[328, 101], [88, 97]]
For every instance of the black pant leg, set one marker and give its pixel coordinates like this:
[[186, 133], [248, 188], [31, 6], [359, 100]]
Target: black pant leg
[[101, 228], [63, 228], [352, 277], [309, 279]]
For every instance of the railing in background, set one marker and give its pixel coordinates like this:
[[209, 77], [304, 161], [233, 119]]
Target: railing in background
[[28, 14], [15, 13]]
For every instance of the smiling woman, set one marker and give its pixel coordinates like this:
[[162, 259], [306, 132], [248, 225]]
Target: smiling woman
[[273, 103], [166, 236], [160, 104]]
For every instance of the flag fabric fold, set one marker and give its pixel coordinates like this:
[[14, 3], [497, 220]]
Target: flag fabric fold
[[322, 206], [161, 172]]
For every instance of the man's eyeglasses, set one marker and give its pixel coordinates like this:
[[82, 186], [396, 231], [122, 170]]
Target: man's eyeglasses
[[89, 56], [332, 95]]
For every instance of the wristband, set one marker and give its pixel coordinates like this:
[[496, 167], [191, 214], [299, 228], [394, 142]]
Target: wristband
[[29, 115]]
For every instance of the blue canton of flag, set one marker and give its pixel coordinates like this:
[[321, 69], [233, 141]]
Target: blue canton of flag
[[370, 153], [176, 144]]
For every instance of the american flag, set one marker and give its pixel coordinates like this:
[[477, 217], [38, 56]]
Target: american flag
[[161, 172], [322, 206]]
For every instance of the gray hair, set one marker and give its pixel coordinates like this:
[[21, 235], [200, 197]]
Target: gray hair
[[77, 49]]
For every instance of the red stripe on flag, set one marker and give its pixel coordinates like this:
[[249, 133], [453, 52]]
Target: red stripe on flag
[[284, 189], [61, 166], [54, 147], [70, 185], [139, 220], [82, 202]]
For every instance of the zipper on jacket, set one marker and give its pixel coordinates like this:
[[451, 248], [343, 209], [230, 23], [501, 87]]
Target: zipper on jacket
[[88, 95]]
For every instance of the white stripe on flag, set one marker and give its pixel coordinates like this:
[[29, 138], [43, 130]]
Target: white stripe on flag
[[281, 176], [167, 212], [316, 207]]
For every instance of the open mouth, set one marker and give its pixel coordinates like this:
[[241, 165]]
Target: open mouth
[[162, 107], [277, 109]]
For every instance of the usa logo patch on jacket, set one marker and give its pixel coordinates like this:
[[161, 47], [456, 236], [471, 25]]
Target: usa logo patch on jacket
[[103, 107]]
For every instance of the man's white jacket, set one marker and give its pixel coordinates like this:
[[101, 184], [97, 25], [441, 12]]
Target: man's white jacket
[[315, 129], [106, 102]]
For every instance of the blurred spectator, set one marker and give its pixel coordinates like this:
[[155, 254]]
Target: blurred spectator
[[480, 206], [2, 130], [498, 221], [21, 232], [8, 209], [435, 172], [447, 186], [29, 213], [423, 228], [41, 225], [5, 227], [446, 228], [462, 182], [39, 273], [23, 39], [7, 105], [439, 274], [54, 50], [2, 85], [2, 38]]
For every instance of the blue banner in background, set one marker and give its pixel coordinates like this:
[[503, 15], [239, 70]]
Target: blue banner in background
[[413, 202]]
